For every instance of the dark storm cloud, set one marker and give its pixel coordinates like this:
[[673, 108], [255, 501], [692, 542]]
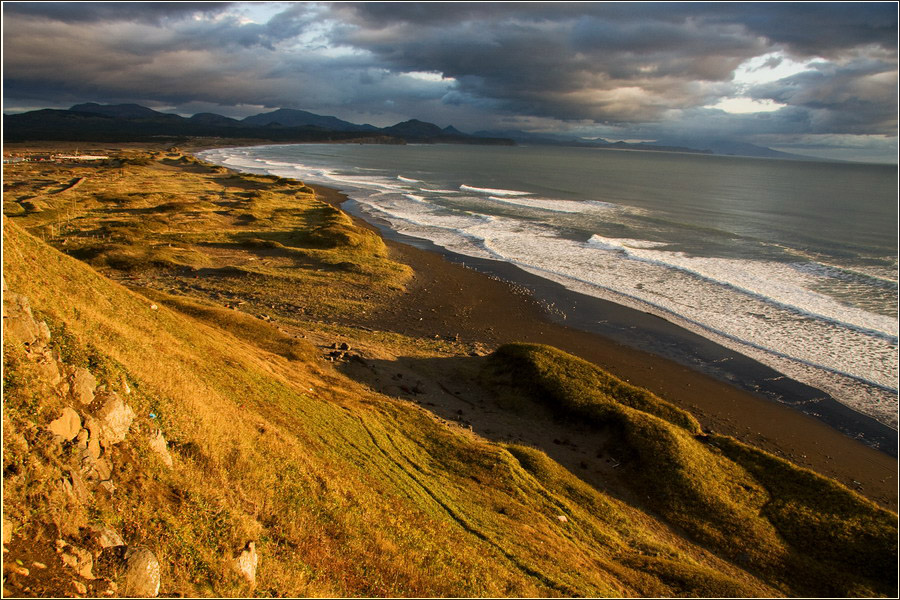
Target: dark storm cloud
[[609, 62], [85, 12], [812, 28], [858, 97], [815, 28], [636, 67]]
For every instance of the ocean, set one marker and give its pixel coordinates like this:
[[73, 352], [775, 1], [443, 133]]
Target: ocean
[[792, 264]]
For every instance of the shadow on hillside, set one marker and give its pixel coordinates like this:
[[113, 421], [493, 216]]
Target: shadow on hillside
[[450, 389]]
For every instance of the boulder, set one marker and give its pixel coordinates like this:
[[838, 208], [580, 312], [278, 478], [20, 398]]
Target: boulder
[[47, 366], [103, 468], [81, 440], [79, 489], [107, 536], [18, 322], [82, 386], [159, 446], [115, 418], [245, 562], [142, 573], [95, 432], [43, 332], [79, 559], [7, 531], [66, 426]]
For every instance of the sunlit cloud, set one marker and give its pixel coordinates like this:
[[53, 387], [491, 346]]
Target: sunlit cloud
[[744, 105]]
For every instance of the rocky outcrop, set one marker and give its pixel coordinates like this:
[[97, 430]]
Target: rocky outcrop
[[18, 322], [91, 423]]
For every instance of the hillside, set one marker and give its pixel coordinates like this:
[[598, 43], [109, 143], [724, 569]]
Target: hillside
[[92, 122], [188, 392]]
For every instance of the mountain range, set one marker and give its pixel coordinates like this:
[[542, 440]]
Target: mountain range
[[133, 122]]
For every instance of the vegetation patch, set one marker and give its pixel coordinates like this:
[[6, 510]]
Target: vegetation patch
[[779, 520]]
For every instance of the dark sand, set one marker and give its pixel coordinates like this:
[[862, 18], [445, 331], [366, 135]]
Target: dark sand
[[447, 299]]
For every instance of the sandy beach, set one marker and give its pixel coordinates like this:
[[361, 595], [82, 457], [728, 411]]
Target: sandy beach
[[448, 299]]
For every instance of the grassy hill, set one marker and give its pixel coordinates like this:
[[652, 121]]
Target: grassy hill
[[213, 303]]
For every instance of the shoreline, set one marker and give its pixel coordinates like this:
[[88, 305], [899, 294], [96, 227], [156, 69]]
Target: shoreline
[[449, 298]]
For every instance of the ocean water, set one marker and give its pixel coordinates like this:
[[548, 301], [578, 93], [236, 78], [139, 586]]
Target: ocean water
[[793, 264]]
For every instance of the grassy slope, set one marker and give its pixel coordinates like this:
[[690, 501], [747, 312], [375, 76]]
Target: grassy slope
[[346, 492], [788, 525]]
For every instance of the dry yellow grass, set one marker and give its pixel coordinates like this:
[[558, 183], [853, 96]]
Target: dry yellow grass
[[345, 491]]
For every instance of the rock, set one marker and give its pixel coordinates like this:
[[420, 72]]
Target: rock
[[43, 333], [562, 518], [158, 445], [82, 385], [17, 569], [93, 448], [18, 322], [142, 573], [81, 440], [80, 588], [47, 366], [66, 426], [38, 565], [245, 562], [79, 489], [7, 531], [95, 430], [104, 469], [79, 559], [107, 536], [115, 418]]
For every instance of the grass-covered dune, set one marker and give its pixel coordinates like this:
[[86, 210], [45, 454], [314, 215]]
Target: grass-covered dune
[[221, 343], [785, 523]]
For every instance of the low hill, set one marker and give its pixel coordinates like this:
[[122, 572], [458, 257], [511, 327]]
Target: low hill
[[287, 117], [186, 394]]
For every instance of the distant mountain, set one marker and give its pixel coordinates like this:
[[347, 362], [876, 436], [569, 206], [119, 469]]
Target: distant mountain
[[132, 122], [414, 129], [289, 117], [551, 139], [120, 111], [215, 120], [526, 137], [683, 144], [734, 148]]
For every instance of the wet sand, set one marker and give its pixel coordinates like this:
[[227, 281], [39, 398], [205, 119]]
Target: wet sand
[[449, 299]]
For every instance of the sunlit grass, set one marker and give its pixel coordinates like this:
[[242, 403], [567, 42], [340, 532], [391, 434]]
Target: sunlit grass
[[348, 492]]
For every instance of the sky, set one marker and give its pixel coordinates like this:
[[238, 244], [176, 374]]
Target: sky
[[814, 78]]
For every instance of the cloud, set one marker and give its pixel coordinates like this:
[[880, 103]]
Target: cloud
[[634, 68], [91, 12], [858, 97]]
